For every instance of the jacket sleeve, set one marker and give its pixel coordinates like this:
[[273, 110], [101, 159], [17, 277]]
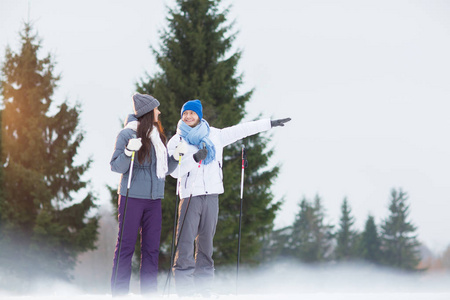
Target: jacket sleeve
[[120, 162], [187, 161], [172, 163], [232, 134]]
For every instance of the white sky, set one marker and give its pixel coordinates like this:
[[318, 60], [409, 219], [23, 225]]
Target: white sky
[[365, 82]]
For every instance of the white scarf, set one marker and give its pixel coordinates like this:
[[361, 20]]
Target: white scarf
[[160, 149], [161, 153]]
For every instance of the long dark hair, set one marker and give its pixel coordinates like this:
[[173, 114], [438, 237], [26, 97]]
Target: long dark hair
[[145, 126]]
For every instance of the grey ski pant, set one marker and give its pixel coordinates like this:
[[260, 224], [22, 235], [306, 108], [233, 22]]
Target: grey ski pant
[[195, 273]]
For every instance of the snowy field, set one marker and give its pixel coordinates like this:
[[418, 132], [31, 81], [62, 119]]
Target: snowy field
[[303, 296], [283, 281]]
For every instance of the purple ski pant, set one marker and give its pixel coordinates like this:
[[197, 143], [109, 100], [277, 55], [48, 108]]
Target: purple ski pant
[[144, 215]]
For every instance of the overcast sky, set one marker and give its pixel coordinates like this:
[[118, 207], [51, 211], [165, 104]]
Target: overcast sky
[[366, 83]]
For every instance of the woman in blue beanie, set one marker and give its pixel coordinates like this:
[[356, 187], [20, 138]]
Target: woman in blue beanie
[[204, 184], [144, 134]]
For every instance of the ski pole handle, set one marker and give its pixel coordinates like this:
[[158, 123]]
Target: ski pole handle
[[179, 173], [243, 157], [131, 169]]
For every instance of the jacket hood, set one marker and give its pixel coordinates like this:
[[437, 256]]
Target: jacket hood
[[129, 118], [131, 122]]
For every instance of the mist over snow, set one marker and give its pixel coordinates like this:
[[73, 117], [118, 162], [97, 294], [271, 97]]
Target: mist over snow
[[283, 280]]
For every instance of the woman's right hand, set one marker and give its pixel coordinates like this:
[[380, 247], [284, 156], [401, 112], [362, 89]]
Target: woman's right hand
[[133, 145], [180, 150]]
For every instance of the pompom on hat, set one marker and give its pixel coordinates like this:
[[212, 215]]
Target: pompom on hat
[[143, 104], [195, 106]]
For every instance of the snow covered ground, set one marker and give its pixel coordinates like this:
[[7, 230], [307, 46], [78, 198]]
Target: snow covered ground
[[305, 296], [284, 281], [299, 296]]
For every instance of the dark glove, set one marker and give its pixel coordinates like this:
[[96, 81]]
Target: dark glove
[[200, 155], [279, 122]]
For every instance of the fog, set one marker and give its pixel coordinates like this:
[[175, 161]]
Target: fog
[[283, 280]]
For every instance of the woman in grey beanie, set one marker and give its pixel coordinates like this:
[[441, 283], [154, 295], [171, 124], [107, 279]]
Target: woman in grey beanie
[[144, 134]]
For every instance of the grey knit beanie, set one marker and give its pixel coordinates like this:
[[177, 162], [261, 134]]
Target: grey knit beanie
[[143, 104]]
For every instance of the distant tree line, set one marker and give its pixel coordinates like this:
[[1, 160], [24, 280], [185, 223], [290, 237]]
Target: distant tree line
[[310, 239]]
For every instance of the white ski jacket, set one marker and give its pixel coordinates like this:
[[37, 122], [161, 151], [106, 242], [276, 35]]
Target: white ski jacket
[[208, 179]]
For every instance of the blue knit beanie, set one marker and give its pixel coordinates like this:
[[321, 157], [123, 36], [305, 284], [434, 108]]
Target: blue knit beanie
[[195, 106]]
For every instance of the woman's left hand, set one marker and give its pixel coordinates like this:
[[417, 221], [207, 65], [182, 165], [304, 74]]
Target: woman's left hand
[[279, 122], [201, 154]]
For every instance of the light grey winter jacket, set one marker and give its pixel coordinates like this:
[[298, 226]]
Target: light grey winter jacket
[[144, 182]]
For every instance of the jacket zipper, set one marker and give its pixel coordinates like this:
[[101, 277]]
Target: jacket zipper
[[204, 183]]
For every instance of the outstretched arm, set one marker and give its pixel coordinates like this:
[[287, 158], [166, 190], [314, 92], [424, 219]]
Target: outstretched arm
[[232, 134]]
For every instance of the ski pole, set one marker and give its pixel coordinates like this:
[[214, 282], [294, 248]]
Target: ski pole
[[123, 219], [174, 228], [244, 165]]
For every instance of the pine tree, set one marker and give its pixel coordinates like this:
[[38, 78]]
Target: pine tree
[[196, 63], [301, 243], [322, 231], [399, 241], [3, 242], [346, 237], [276, 244], [369, 243], [2, 162], [46, 227], [311, 239]]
